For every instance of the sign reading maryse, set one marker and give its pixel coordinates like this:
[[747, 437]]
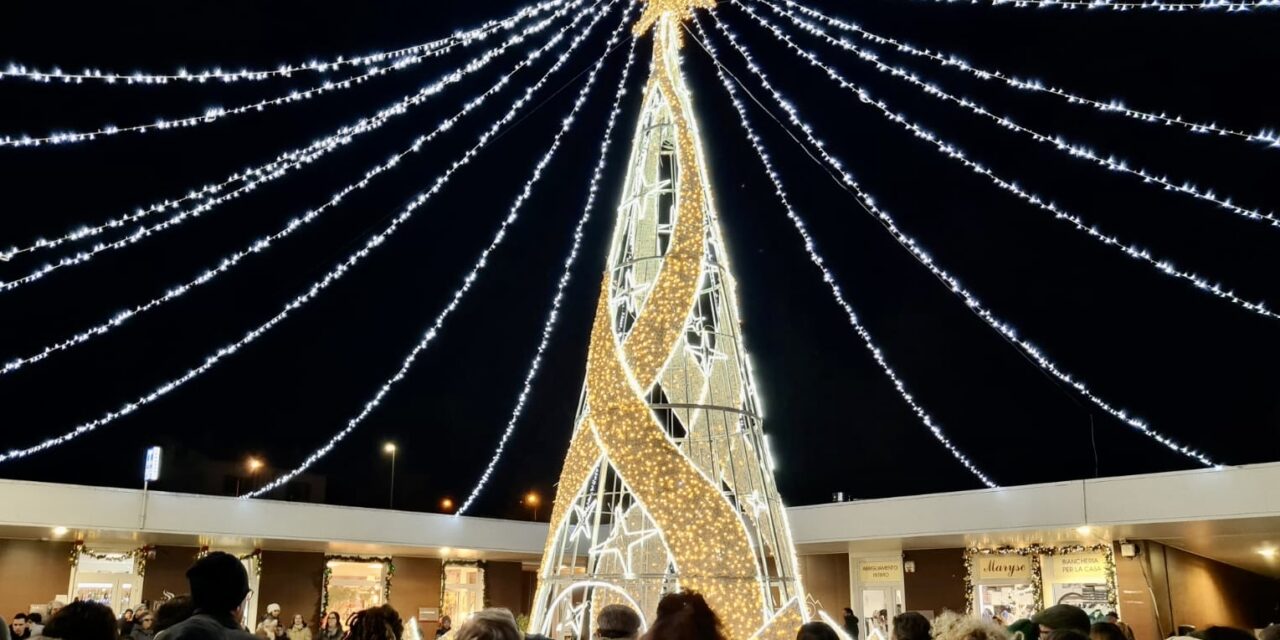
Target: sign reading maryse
[[880, 572], [1004, 568], [1077, 567]]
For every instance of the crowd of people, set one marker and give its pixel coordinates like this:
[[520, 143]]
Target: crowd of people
[[1059, 622], [220, 588]]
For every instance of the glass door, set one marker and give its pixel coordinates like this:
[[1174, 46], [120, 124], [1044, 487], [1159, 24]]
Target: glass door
[[118, 591], [878, 608], [463, 591]]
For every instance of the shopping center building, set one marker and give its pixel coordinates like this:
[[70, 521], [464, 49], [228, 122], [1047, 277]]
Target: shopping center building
[[1184, 548]]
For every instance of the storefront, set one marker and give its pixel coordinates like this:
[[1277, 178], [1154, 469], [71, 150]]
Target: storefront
[[355, 583], [1001, 583], [1084, 576], [878, 592], [1015, 582], [462, 589], [111, 577]]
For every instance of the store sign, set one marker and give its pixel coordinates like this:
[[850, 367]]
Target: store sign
[[151, 467], [1080, 567], [882, 572], [1007, 568]]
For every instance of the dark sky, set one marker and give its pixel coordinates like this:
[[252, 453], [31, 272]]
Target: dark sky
[[1198, 368]]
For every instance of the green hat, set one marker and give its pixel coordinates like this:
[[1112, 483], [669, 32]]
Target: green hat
[[1063, 616], [1028, 629]]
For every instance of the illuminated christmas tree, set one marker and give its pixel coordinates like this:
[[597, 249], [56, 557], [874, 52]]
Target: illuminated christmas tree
[[668, 482]]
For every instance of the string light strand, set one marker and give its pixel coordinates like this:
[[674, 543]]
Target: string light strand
[[1227, 6], [828, 277], [972, 302], [262, 244], [217, 113], [1111, 162], [1268, 137], [549, 326], [1076, 222], [266, 173], [329, 278], [512, 215], [217, 74]]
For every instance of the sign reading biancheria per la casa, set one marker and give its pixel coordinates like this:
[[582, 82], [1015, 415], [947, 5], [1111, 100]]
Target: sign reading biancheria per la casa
[[1010, 568], [1080, 567]]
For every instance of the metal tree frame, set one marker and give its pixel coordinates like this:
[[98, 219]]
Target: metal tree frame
[[606, 544]]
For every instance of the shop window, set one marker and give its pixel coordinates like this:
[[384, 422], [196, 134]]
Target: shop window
[[109, 578], [354, 585], [1082, 576], [1012, 583]]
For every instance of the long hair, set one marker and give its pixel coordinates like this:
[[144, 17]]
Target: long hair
[[685, 615], [375, 623], [337, 622]]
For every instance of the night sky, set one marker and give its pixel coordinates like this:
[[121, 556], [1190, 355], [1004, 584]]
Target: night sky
[[1199, 369]]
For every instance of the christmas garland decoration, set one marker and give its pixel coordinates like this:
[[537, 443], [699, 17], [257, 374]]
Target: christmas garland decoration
[[139, 556], [255, 555], [389, 570], [1036, 551]]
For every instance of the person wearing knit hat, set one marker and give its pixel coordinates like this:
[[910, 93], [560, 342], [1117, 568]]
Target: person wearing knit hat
[[1062, 616], [1024, 627], [219, 586]]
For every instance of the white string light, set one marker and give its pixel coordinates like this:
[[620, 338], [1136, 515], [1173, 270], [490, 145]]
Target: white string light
[[1228, 6], [1112, 162], [553, 315], [1268, 137], [329, 278], [512, 214], [1164, 266], [217, 74], [811, 248], [217, 113], [1005, 329], [270, 171], [262, 244]]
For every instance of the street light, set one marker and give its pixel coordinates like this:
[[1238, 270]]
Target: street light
[[532, 500], [253, 464], [446, 505], [390, 448]]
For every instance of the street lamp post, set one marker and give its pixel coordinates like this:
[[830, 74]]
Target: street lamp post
[[533, 501], [254, 465], [390, 448]]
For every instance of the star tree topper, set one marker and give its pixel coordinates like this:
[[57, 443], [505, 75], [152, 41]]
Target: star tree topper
[[655, 9]]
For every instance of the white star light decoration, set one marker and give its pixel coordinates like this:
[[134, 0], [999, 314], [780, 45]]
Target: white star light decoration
[[757, 504], [631, 293], [622, 541], [574, 620], [704, 352], [582, 525]]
